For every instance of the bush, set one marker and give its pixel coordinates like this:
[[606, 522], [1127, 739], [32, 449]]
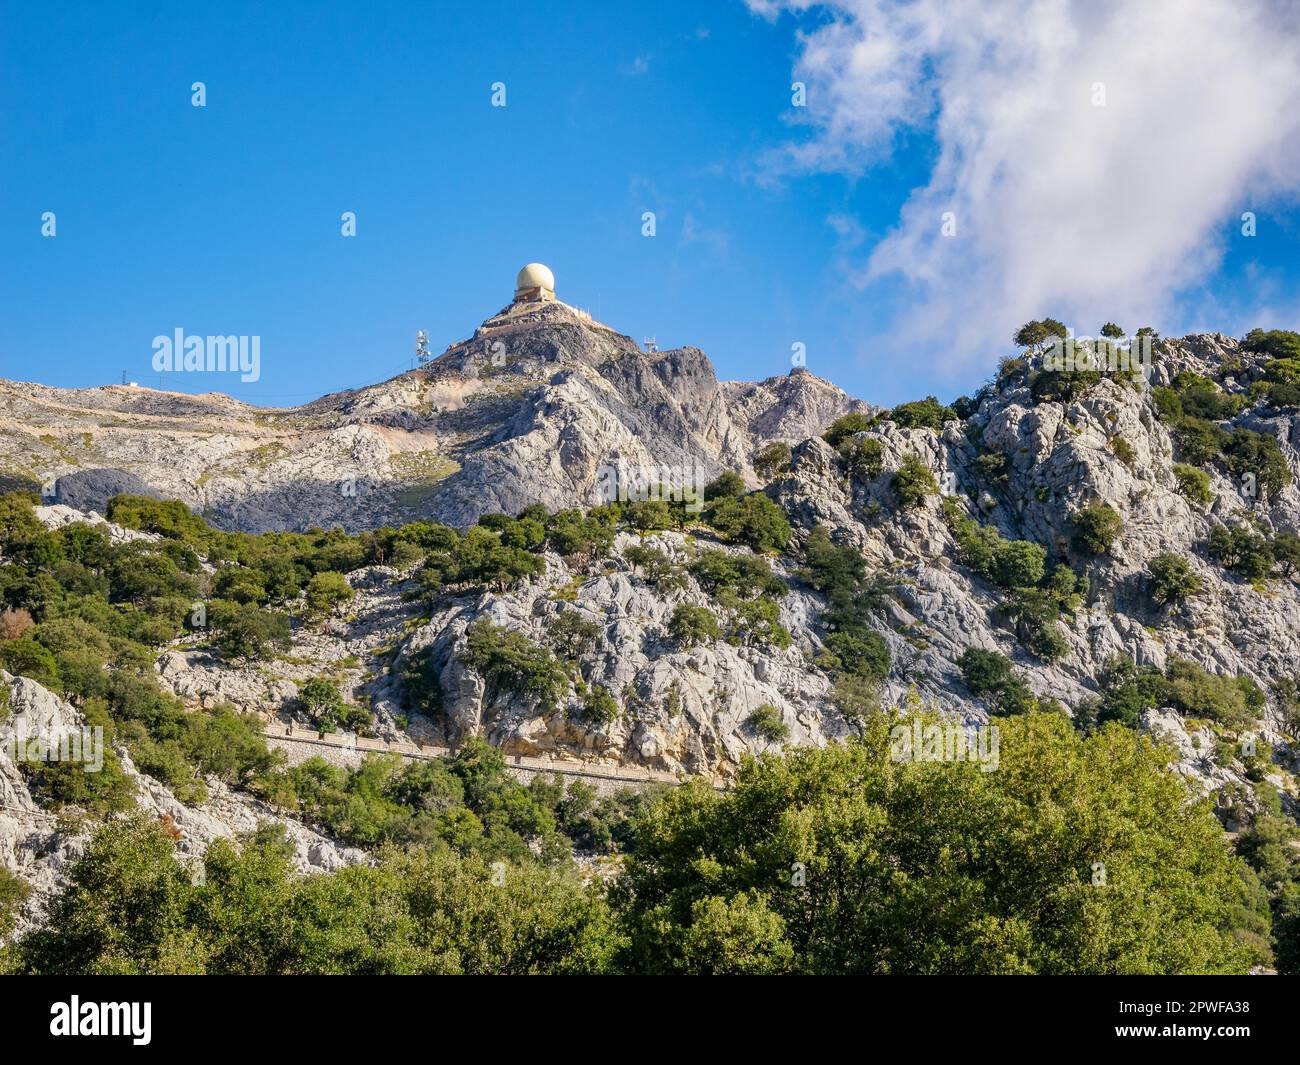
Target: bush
[[773, 459], [987, 673], [1200, 441], [863, 457], [599, 707], [1171, 579], [766, 722], [846, 426], [1246, 553], [328, 710], [1194, 484], [1096, 528], [655, 567], [860, 652], [327, 591], [913, 482], [1123, 451], [692, 625], [248, 632], [571, 635], [510, 661], [753, 520], [926, 413]]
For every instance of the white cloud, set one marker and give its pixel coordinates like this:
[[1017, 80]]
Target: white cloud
[[1084, 212]]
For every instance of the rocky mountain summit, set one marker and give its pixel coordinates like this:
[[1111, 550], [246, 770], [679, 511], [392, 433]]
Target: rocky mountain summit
[[527, 410]]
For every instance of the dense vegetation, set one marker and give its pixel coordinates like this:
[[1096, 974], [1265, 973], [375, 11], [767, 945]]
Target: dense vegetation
[[835, 860]]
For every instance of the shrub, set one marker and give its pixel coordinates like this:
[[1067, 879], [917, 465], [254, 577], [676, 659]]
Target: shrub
[[1200, 441], [1247, 451], [1123, 451], [863, 457], [655, 567], [14, 623], [773, 459], [728, 485], [987, 673], [766, 722], [1096, 528], [926, 413], [860, 652], [325, 704], [1171, 579], [599, 707], [1277, 343], [1237, 548], [692, 625], [1194, 484], [327, 591], [754, 521], [845, 426], [571, 635], [247, 631], [510, 661], [913, 482]]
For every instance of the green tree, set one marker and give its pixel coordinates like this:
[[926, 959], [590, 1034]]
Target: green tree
[[846, 860], [1171, 578], [693, 625], [328, 591], [1096, 528], [913, 482]]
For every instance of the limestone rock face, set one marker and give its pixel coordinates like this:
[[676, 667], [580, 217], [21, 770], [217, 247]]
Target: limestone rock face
[[525, 411]]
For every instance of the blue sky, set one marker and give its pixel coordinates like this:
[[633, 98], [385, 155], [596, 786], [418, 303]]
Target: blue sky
[[774, 225]]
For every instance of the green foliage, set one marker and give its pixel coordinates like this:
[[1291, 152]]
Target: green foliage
[[325, 704], [918, 866], [926, 413], [727, 485], [913, 482], [421, 684], [766, 722], [753, 520], [1247, 451], [1128, 689], [1194, 484], [571, 635], [244, 631], [1200, 441], [1123, 451], [599, 707], [1111, 331], [131, 907], [1240, 549], [772, 459], [691, 625], [1276, 343], [846, 426], [839, 573], [327, 591], [1096, 528], [1062, 386], [1171, 579], [862, 457], [510, 661], [655, 567], [989, 674], [1036, 334], [13, 893]]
